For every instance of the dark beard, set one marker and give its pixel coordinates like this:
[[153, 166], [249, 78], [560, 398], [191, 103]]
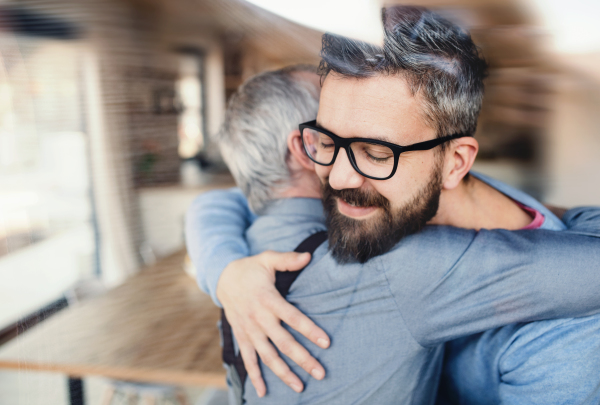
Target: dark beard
[[352, 240]]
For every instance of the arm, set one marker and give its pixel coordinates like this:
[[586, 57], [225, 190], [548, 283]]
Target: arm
[[583, 220], [554, 362], [543, 362], [215, 227], [504, 277]]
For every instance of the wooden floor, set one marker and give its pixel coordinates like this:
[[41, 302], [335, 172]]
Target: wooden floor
[[156, 327]]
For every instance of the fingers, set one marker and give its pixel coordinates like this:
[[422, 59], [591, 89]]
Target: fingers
[[288, 261], [255, 310], [287, 345], [271, 359], [284, 341], [251, 365], [298, 321]]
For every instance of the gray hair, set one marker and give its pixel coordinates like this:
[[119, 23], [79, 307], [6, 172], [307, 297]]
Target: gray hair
[[437, 58], [259, 118]]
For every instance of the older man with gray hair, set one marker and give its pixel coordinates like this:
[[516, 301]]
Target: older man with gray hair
[[251, 139]]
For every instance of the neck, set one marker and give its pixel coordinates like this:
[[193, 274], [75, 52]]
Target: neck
[[295, 192], [302, 185], [475, 205]]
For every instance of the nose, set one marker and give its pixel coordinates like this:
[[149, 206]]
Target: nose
[[342, 174]]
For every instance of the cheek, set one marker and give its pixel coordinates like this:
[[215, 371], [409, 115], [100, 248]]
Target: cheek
[[415, 167], [406, 183], [393, 189], [322, 172]]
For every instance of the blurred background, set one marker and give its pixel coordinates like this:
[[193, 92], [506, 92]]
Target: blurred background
[[107, 108]]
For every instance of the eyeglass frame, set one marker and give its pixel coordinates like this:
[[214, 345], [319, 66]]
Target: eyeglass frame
[[345, 143]]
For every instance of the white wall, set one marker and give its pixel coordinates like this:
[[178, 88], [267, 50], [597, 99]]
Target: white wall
[[163, 211], [39, 274], [574, 145]]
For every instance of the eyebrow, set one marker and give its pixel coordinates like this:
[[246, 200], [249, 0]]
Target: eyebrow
[[376, 137]]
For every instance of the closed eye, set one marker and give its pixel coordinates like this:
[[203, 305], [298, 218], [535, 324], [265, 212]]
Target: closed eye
[[378, 159], [374, 152]]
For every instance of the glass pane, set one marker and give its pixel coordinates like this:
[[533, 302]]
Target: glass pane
[[47, 241], [189, 95], [319, 146], [373, 159]]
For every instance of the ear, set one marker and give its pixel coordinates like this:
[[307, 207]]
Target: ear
[[459, 159], [297, 153]]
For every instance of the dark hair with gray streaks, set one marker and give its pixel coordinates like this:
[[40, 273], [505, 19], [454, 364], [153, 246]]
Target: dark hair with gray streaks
[[438, 59], [259, 117]]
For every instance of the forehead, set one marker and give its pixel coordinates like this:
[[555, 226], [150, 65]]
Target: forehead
[[377, 107]]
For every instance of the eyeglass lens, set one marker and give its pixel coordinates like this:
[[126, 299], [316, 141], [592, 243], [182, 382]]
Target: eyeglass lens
[[372, 159]]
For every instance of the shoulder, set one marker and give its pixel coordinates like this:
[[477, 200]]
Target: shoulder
[[421, 260], [435, 244], [233, 194], [219, 202]]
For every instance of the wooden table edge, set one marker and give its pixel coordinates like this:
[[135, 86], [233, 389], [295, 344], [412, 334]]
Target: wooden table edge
[[210, 379]]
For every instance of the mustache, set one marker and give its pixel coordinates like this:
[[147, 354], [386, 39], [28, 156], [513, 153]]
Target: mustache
[[356, 196]]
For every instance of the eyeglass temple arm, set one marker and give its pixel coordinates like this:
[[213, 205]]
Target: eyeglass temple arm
[[432, 143]]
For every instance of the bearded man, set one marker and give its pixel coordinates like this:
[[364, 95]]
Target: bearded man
[[392, 147]]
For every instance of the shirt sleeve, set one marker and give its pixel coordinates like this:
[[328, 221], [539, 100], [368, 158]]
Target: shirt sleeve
[[583, 220], [558, 364], [503, 277], [546, 362], [215, 227]]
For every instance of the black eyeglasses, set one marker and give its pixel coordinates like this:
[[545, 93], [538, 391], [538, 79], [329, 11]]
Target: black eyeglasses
[[372, 158]]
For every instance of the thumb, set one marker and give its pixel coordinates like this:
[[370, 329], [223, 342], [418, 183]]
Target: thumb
[[288, 261]]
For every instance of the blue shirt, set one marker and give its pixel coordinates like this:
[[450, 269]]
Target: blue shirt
[[388, 318], [545, 362]]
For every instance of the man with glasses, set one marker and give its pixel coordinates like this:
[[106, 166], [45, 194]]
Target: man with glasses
[[382, 183], [373, 159]]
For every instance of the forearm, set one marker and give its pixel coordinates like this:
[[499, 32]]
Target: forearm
[[515, 276], [215, 226]]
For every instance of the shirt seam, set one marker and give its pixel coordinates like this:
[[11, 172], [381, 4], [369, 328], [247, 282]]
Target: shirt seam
[[463, 253], [384, 268], [450, 268]]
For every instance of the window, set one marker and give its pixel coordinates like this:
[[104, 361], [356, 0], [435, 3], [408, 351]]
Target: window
[[47, 235]]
